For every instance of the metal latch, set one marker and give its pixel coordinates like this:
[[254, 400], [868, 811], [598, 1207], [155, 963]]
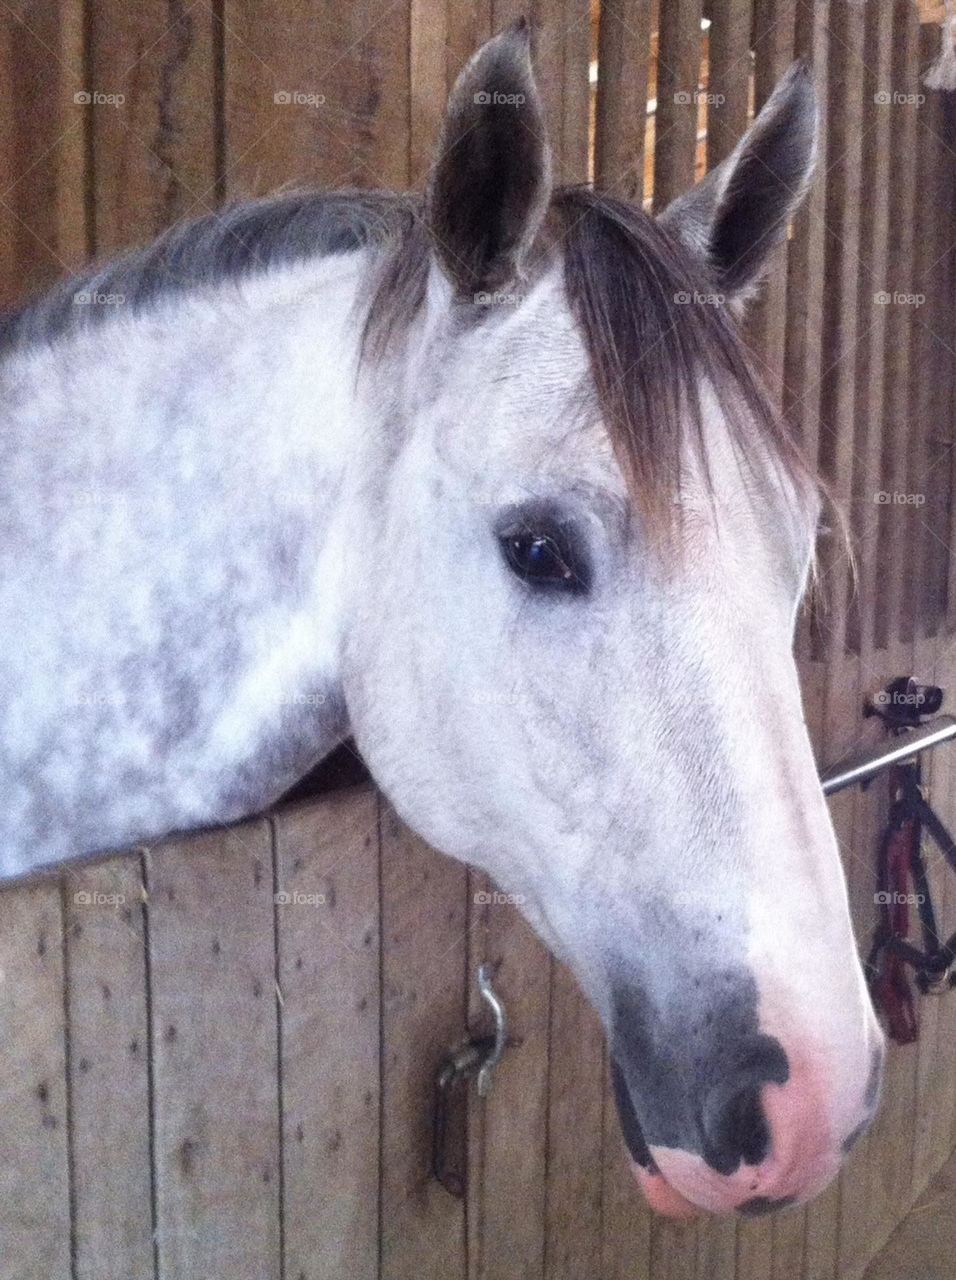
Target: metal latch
[[474, 1060]]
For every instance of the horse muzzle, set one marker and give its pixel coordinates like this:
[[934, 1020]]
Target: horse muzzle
[[748, 1122]]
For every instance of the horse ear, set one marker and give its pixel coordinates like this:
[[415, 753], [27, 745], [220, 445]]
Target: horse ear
[[741, 210], [491, 182]]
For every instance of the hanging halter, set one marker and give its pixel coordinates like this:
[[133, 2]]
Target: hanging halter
[[902, 875]]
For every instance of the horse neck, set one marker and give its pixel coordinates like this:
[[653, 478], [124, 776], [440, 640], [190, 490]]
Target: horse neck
[[191, 461]]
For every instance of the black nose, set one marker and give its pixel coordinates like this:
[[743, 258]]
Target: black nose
[[735, 1129], [692, 1071]]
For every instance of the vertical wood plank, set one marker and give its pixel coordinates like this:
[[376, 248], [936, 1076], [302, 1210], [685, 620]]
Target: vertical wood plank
[[857, 1238], [910, 302], [948, 230], [935, 322], [891, 1175], [678, 72], [624, 47], [874, 280], [429, 84], [754, 1248], [838, 386], [109, 1070], [327, 925], [424, 949], [214, 1033], [444, 35], [789, 1243], [154, 132], [893, 553], [729, 76], [818, 395], [929, 357], [575, 1132], [35, 1222], [673, 1249], [933, 1072], [315, 93], [717, 1249], [945, 781], [803, 366], [43, 126], [508, 1131], [563, 63]]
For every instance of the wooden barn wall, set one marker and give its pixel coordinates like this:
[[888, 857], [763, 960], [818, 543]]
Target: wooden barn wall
[[217, 1054]]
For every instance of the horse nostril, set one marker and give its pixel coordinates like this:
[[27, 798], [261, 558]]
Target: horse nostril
[[736, 1130]]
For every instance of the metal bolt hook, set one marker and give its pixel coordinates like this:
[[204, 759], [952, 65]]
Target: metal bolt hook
[[474, 1060], [492, 999]]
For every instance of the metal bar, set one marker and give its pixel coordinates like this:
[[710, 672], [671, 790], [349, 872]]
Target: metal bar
[[861, 768]]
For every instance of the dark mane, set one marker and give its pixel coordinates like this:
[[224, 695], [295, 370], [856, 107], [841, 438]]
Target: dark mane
[[241, 240], [636, 292], [655, 332]]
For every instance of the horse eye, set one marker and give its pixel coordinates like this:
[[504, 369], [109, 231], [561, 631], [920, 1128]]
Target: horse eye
[[543, 557]]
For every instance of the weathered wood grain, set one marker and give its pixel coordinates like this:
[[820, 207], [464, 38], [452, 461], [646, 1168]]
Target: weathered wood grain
[[154, 134], [328, 971], [508, 1130], [424, 1011], [624, 52], [215, 1062], [729, 76], [315, 93], [678, 72], [43, 129], [575, 1133], [109, 1070], [35, 1191]]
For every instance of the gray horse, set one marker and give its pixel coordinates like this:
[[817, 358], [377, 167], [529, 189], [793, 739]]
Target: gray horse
[[487, 482]]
